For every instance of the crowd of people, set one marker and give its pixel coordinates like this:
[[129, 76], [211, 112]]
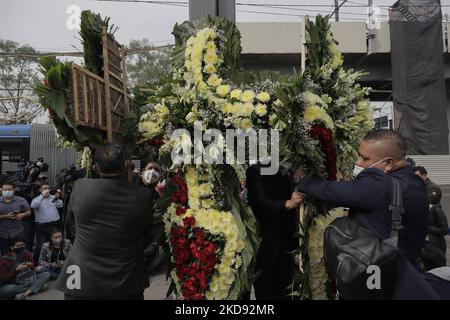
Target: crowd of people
[[111, 217], [30, 221]]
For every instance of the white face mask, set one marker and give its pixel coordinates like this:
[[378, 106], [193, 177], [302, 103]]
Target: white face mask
[[358, 169], [150, 176]]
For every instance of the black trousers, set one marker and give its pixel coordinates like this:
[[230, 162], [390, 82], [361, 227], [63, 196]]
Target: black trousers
[[273, 282], [29, 232], [432, 256], [134, 296]]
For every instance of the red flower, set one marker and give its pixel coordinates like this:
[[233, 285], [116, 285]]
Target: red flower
[[325, 137], [197, 296], [199, 234], [180, 211], [189, 221]]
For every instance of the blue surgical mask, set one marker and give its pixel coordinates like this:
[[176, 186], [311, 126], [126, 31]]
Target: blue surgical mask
[[7, 194]]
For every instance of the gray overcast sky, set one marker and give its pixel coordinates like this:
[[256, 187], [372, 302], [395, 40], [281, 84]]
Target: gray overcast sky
[[42, 23]]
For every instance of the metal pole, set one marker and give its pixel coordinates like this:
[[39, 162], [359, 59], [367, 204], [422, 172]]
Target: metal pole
[[336, 10]]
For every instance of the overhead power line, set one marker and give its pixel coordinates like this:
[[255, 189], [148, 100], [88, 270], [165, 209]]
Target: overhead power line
[[75, 53]]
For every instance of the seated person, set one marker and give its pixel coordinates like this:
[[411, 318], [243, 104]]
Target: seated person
[[18, 276], [433, 252], [54, 253]]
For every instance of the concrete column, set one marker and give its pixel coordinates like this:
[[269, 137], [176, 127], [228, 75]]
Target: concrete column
[[215, 8]]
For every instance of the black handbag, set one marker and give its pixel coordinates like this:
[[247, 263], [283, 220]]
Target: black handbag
[[354, 255]]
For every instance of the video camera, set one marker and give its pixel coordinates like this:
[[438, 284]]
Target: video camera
[[24, 170], [71, 175]]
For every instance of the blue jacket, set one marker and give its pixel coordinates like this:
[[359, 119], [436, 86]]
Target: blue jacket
[[369, 196]]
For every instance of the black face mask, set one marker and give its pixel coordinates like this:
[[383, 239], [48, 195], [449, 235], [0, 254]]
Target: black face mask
[[19, 250]]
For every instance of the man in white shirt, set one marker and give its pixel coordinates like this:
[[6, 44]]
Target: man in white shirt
[[45, 207]]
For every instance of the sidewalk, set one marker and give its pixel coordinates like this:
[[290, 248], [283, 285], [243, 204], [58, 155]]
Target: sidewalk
[[157, 290]]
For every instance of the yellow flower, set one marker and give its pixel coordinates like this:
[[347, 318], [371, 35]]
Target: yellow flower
[[205, 189], [162, 110], [234, 108], [207, 203], [246, 124], [187, 52], [263, 96], [198, 78], [209, 68], [211, 46], [196, 55], [235, 94], [312, 99], [317, 113], [210, 33], [191, 117], [210, 57], [214, 80], [202, 86], [190, 41], [191, 175], [247, 110], [312, 113], [247, 96], [261, 109], [223, 90], [188, 64]]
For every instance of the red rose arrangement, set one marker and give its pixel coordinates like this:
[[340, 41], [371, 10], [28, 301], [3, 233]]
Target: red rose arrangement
[[195, 251], [325, 137]]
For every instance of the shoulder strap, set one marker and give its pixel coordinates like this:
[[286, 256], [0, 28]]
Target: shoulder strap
[[396, 206], [396, 209]]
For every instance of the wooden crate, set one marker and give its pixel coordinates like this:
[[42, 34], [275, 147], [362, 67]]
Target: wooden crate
[[102, 103]]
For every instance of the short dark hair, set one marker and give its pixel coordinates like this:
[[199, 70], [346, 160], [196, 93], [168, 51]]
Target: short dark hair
[[389, 135], [421, 170], [110, 158], [18, 238], [53, 231], [434, 195], [8, 183]]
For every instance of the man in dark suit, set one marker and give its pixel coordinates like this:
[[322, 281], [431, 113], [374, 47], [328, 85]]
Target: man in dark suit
[[273, 202], [112, 218], [382, 155]]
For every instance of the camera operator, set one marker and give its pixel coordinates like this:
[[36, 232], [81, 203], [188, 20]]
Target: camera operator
[[27, 186], [46, 214], [68, 178]]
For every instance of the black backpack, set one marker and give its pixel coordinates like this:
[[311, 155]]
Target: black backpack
[[350, 249]]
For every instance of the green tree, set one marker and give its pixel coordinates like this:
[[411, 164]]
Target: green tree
[[18, 103], [147, 67]]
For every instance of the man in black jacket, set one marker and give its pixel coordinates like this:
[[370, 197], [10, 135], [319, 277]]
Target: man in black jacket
[[381, 156], [273, 202], [112, 218], [433, 253]]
